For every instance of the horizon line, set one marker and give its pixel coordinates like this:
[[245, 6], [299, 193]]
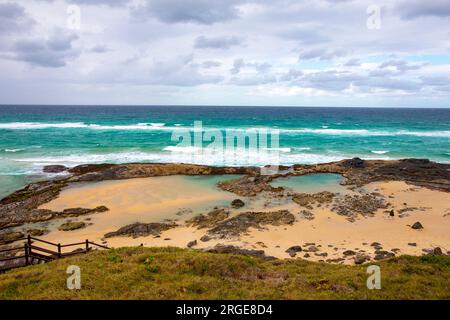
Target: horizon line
[[212, 105]]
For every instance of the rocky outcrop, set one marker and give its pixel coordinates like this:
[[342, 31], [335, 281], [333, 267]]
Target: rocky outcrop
[[54, 169], [41, 215], [209, 220], [138, 229], [249, 186], [306, 200], [352, 205], [10, 237], [235, 226], [20, 206], [69, 226]]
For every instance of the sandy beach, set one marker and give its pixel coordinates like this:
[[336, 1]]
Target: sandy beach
[[177, 199]]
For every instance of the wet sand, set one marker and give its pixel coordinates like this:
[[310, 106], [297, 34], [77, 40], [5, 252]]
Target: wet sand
[[159, 198]]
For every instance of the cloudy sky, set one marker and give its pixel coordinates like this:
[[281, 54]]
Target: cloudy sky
[[226, 52]]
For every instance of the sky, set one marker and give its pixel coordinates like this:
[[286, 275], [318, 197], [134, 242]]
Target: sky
[[226, 52]]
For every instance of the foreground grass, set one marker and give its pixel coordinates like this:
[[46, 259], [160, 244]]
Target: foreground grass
[[171, 273]]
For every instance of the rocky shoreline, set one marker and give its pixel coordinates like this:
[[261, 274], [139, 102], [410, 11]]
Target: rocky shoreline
[[22, 206]]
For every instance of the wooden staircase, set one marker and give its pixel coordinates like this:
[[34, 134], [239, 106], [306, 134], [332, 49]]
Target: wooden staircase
[[35, 251]]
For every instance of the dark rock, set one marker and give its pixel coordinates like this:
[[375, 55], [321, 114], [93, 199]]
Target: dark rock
[[249, 186], [192, 244], [209, 220], [239, 224], [37, 232], [417, 226], [437, 252], [75, 212], [412, 244], [138, 229], [375, 244], [349, 253], [312, 249], [391, 213], [205, 238], [54, 169], [360, 258], [69, 226], [237, 203], [381, 255], [354, 163], [306, 255], [292, 251]]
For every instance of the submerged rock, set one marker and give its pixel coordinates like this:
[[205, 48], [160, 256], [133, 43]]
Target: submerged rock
[[237, 203], [249, 186], [69, 226], [138, 229], [37, 232]]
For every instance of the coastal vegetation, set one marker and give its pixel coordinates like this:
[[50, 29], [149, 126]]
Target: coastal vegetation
[[173, 273]]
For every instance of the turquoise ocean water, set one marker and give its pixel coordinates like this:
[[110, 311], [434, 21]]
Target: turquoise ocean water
[[34, 136]]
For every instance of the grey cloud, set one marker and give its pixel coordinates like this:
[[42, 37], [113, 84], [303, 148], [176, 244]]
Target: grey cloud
[[13, 18], [99, 48], [211, 64], [240, 63], [217, 42], [419, 8], [291, 75], [353, 63], [253, 80], [180, 71], [322, 54], [304, 35], [53, 52], [110, 3], [205, 12], [400, 65]]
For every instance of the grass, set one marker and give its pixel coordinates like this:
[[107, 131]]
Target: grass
[[172, 273]]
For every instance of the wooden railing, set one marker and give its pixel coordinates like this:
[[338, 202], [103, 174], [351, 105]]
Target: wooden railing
[[33, 254]]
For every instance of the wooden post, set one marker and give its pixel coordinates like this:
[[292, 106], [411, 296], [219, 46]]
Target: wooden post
[[59, 250], [87, 245], [26, 254], [29, 245]]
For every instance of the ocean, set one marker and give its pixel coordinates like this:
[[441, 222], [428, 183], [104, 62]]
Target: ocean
[[34, 136]]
